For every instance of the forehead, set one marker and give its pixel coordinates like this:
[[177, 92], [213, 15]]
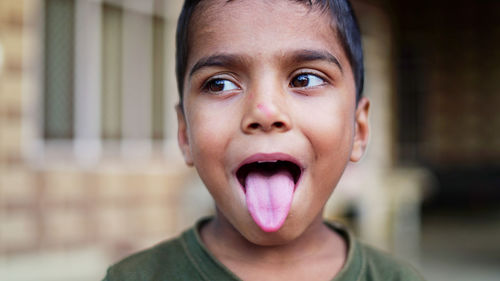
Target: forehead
[[210, 10], [259, 27]]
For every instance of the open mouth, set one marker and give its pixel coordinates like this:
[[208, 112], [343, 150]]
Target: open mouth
[[269, 183], [268, 168]]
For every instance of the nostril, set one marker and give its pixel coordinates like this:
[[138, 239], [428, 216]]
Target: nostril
[[254, 125], [278, 125], [257, 126]]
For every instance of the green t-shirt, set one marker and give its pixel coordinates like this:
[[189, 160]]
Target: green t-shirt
[[186, 258]]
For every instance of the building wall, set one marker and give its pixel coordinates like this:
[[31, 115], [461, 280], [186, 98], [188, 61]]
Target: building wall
[[56, 212]]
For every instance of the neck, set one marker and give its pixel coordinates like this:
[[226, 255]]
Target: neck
[[227, 243]]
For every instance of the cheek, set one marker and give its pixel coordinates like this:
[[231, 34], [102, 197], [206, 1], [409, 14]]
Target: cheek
[[207, 136], [329, 132], [211, 129], [211, 132], [207, 148], [329, 128]]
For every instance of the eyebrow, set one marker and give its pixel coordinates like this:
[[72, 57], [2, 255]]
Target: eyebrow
[[298, 56], [217, 60], [307, 55]]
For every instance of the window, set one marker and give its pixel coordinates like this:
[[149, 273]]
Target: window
[[112, 54], [104, 76], [59, 54]]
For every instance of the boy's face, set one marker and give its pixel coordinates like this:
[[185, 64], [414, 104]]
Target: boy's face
[[267, 81]]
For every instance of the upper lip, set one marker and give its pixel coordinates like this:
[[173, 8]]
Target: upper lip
[[270, 157]]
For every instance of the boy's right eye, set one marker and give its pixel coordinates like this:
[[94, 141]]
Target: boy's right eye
[[219, 85]]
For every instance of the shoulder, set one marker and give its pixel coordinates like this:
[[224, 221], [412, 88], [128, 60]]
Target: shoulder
[[365, 263], [154, 263], [379, 265]]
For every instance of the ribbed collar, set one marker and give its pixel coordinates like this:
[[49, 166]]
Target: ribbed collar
[[212, 269]]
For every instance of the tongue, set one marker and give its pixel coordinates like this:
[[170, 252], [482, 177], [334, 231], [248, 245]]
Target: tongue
[[269, 196]]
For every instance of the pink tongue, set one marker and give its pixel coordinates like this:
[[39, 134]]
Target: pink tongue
[[269, 197]]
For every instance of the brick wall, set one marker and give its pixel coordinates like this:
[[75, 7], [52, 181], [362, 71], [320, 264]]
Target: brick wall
[[52, 214], [16, 193]]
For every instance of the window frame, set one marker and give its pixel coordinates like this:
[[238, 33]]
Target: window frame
[[88, 146]]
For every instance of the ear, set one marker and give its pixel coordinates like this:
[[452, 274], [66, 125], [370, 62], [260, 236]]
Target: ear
[[182, 136], [362, 130]]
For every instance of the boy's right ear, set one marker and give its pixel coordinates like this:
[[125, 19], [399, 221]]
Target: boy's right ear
[[182, 136]]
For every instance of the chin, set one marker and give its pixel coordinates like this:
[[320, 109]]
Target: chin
[[284, 235]]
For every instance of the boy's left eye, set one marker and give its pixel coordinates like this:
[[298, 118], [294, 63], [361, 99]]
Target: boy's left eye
[[306, 80]]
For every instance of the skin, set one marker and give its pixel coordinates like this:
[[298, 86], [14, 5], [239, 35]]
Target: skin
[[270, 95]]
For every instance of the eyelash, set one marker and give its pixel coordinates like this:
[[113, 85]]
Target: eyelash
[[206, 86], [323, 81]]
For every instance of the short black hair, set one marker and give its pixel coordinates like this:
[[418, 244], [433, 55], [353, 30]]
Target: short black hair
[[346, 26]]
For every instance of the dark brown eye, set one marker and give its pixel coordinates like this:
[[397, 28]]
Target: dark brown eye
[[216, 85], [306, 80], [220, 85], [300, 81]]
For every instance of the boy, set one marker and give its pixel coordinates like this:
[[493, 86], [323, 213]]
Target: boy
[[270, 113]]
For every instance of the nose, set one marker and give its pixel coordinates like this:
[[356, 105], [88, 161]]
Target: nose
[[266, 112]]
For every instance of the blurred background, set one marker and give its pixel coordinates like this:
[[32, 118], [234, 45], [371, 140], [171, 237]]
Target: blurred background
[[89, 165]]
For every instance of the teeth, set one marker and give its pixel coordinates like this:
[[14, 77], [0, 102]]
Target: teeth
[[272, 161]]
